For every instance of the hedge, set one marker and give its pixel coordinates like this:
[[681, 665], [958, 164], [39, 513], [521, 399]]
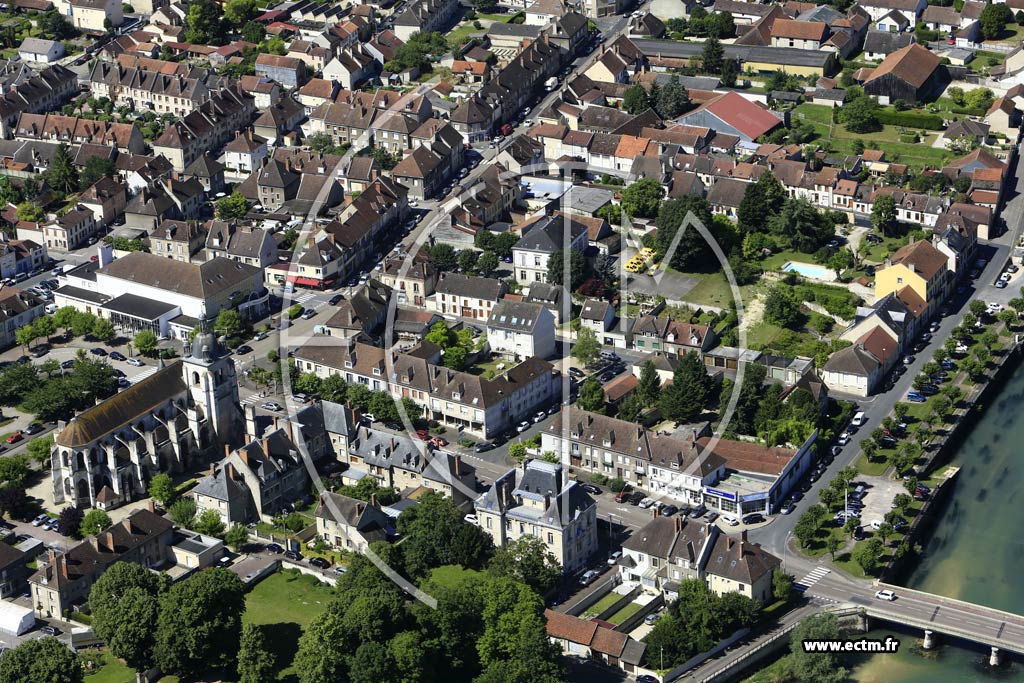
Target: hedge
[[909, 119]]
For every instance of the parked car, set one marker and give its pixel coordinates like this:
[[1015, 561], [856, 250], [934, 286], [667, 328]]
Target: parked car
[[243, 349], [669, 510], [274, 548], [320, 563], [729, 520], [523, 426], [614, 558], [15, 437], [438, 442], [33, 428], [589, 577], [916, 397], [647, 502], [622, 496], [98, 351], [786, 508], [592, 489], [335, 300], [753, 518], [136, 362], [483, 447], [636, 497], [117, 355], [293, 555]]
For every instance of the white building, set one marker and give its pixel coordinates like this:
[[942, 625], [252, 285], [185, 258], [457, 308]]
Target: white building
[[518, 330]]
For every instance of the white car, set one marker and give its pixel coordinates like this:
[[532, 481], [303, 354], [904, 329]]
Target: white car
[[614, 558], [523, 426], [886, 595], [730, 520], [471, 519], [271, 405], [136, 362], [646, 503], [844, 439], [1005, 277], [994, 307]]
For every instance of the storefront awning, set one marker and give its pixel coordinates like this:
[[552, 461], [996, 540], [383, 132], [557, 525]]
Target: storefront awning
[[305, 281]]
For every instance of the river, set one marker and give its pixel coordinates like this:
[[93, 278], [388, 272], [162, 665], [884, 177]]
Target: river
[[975, 553]]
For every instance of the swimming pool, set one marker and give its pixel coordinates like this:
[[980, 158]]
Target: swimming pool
[[810, 270]]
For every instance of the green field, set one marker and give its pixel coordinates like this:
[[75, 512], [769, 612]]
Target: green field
[[842, 141], [625, 613], [451, 576], [602, 604]]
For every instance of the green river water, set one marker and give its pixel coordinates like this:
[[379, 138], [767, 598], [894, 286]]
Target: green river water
[[976, 550]]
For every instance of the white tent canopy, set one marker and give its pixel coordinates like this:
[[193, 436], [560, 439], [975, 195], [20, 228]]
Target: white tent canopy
[[15, 619]]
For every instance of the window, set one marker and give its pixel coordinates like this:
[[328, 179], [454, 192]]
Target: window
[[551, 538]]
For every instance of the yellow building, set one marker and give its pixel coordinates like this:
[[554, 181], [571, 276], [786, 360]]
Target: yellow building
[[919, 266]]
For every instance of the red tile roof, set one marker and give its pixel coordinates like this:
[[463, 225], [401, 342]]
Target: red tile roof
[[743, 115]]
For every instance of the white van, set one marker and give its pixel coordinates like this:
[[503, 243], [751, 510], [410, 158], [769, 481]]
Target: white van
[[859, 419], [51, 308]]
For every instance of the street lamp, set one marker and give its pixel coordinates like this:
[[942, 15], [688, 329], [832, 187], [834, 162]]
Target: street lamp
[[611, 533], [785, 549]]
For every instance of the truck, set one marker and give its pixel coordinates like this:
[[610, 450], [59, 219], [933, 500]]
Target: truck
[[551, 83]]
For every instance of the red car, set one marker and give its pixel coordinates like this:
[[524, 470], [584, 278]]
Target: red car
[[438, 442], [423, 434], [15, 437]]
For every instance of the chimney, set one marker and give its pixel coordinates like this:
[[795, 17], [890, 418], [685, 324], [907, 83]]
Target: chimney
[[227, 450], [458, 465], [373, 500], [108, 540], [213, 470], [62, 566], [275, 423], [266, 447], [655, 511], [93, 541], [743, 536], [151, 506]]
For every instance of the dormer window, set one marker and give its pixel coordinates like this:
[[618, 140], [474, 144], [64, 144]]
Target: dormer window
[[348, 364], [456, 395], [376, 372]]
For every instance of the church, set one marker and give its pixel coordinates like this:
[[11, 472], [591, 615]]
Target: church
[[171, 421]]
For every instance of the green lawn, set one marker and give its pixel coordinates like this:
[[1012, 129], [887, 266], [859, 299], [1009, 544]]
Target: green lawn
[[842, 140], [877, 253], [461, 34], [285, 603], [624, 613], [602, 604], [451, 576], [875, 467], [980, 62], [107, 669]]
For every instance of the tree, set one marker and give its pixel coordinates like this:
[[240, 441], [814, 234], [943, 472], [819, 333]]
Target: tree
[[82, 323], [124, 602], [712, 56], [487, 263], [993, 20], [781, 306], [642, 198], [673, 100], [25, 335], [30, 212], [816, 666], [782, 585], [182, 512], [832, 544], [517, 451], [103, 330], [254, 32], [586, 347], [692, 251], [648, 387], [883, 214], [200, 623], [209, 522], [591, 396], [42, 660], [238, 12], [763, 198], [162, 489], [556, 268], [236, 537], [229, 323], [95, 168], [62, 174], [94, 522], [869, 555], [829, 497], [203, 24], [255, 660], [841, 260], [232, 207], [635, 101], [69, 523], [529, 561], [442, 256], [436, 534], [467, 260], [687, 396], [145, 342], [859, 115]]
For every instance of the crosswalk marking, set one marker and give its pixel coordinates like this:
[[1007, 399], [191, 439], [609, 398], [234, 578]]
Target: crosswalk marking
[[151, 370], [303, 297], [813, 577]]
